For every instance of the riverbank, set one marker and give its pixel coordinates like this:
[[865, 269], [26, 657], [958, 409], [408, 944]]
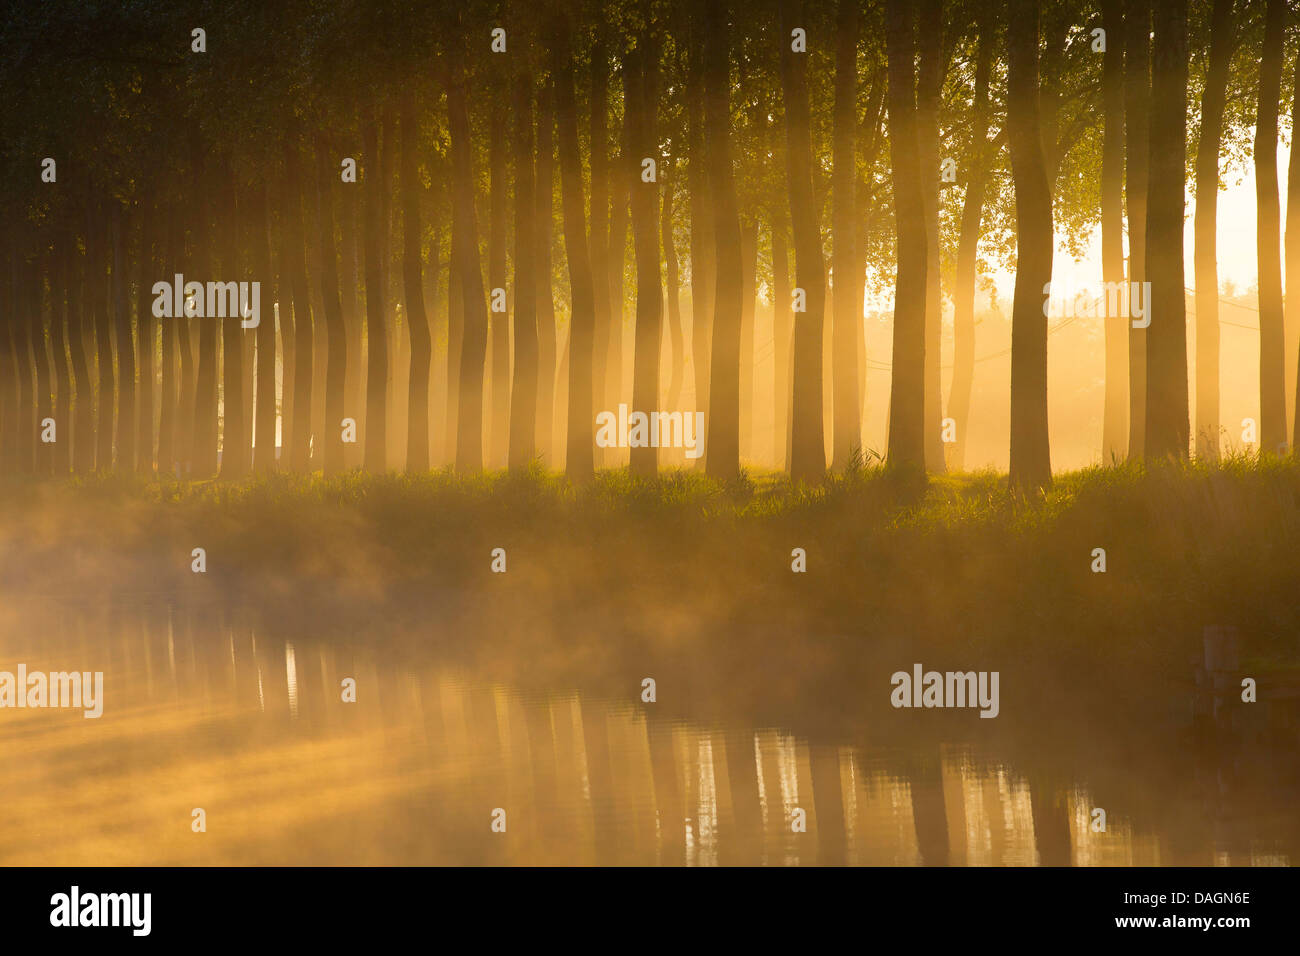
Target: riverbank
[[937, 563], [692, 583]]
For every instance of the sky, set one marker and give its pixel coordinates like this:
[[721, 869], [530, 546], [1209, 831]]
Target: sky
[[1236, 232]]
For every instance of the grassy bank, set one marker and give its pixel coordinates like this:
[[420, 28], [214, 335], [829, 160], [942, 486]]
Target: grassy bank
[[937, 562]]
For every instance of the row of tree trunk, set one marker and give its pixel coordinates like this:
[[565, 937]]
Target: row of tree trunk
[[80, 324]]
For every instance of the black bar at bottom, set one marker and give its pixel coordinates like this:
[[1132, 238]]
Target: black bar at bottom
[[329, 906]]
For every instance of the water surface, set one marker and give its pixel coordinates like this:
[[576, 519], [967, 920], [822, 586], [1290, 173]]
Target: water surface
[[206, 709]]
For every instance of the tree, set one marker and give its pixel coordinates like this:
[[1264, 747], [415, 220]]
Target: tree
[[264, 412], [235, 453], [146, 267], [579, 460], [1268, 232], [59, 346], [126, 420], [1137, 117], [499, 322], [929, 85], [296, 439], [21, 304], [544, 218], [417, 320], [703, 242], [376, 246], [981, 160], [846, 316], [641, 84], [907, 388], [1291, 304], [469, 276], [1030, 455], [1166, 406], [335, 330], [1213, 99], [83, 423], [808, 453], [523, 404], [722, 451], [1114, 429], [599, 236], [677, 339]]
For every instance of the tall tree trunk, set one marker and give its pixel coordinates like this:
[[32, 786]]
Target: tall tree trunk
[[1292, 303], [235, 451], [59, 320], [286, 319], [846, 316], [722, 451], [676, 337], [354, 405], [546, 343], [562, 398], [1031, 467], [79, 332], [169, 394], [1213, 100], [808, 454], [126, 411], [748, 308], [867, 212], [147, 269], [1114, 429], [1272, 367], [963, 298], [641, 96], [523, 400], [599, 161], [417, 320], [350, 290], [248, 339], [35, 279], [1291, 312], [907, 386], [1167, 431], [782, 345], [388, 151], [8, 364], [204, 449], [616, 262], [455, 343], [21, 306], [297, 437], [498, 432], [1137, 119], [264, 337], [438, 331], [105, 383], [315, 292], [929, 83], [335, 328], [579, 463], [376, 457], [703, 247], [469, 430], [183, 424]]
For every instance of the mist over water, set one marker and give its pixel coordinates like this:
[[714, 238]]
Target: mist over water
[[226, 709]]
